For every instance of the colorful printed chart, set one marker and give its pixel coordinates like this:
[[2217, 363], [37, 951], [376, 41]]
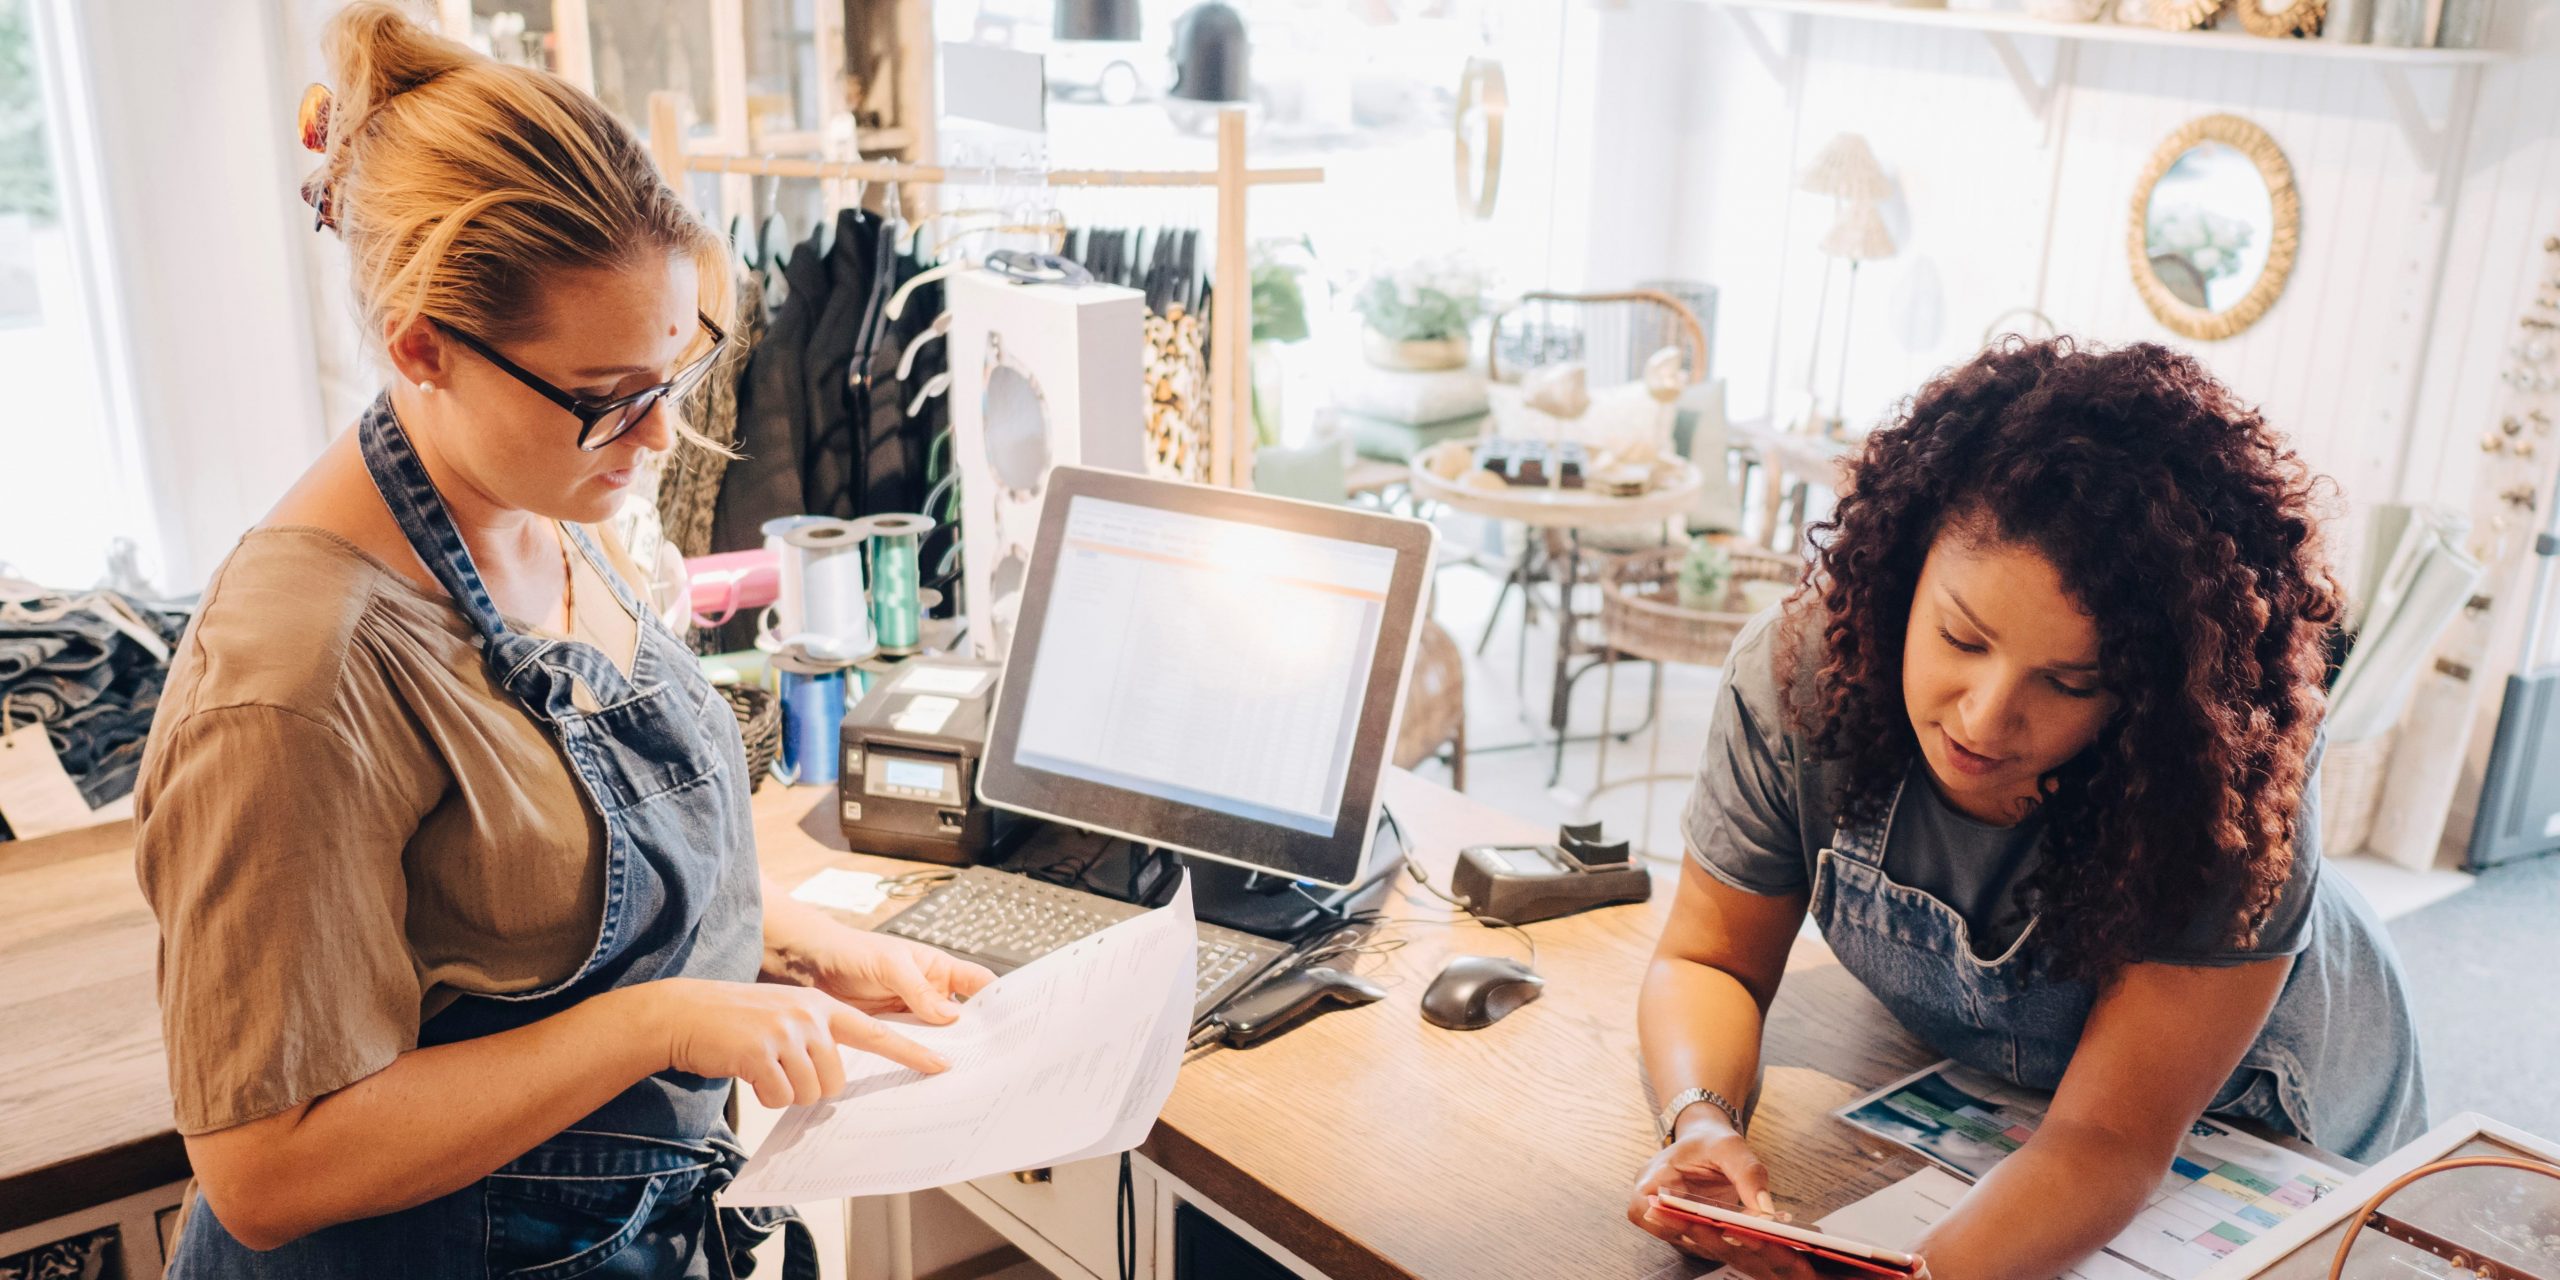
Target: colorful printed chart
[[2222, 1190]]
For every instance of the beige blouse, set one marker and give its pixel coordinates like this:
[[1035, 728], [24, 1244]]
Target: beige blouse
[[344, 824]]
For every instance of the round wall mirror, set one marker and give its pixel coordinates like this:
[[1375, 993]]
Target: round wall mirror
[[2214, 226]]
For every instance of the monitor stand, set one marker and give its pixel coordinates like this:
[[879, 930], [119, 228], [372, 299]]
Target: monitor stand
[[1252, 902]]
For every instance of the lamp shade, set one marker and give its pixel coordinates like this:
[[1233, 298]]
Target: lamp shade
[[1860, 235], [1211, 55], [1846, 169], [1096, 20]]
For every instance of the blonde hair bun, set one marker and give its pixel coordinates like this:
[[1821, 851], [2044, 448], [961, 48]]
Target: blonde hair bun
[[460, 183]]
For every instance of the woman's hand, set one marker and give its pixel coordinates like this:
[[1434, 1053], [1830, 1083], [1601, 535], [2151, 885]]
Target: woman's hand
[[1712, 1163], [781, 1040], [876, 973]]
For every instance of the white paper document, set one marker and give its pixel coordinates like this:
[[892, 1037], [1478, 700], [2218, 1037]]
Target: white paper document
[[2222, 1189], [1069, 1057], [852, 892]]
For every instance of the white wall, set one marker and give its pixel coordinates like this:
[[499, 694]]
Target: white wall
[[2361, 360]]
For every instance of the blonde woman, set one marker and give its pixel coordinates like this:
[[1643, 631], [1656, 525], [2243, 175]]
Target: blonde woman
[[449, 841]]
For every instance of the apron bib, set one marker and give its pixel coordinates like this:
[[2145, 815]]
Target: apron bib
[[2336, 1063], [627, 1191]]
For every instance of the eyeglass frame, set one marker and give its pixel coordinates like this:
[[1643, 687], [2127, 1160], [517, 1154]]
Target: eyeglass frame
[[591, 412]]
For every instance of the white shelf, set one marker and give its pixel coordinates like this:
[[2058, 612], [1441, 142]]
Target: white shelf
[[2018, 24], [2433, 141]]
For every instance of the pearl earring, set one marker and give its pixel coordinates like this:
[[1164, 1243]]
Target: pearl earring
[[425, 387]]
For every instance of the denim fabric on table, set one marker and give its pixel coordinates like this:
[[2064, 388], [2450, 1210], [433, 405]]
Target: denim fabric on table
[[20, 654], [88, 666]]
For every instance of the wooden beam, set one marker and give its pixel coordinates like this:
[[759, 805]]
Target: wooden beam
[[666, 139], [577, 43], [1231, 319], [729, 102]]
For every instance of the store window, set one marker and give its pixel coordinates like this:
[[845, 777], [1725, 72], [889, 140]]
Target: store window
[[69, 485]]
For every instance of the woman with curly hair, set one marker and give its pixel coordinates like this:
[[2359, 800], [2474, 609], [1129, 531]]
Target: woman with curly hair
[[2037, 747]]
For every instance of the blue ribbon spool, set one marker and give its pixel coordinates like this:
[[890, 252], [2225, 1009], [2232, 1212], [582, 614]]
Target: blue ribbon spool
[[813, 707]]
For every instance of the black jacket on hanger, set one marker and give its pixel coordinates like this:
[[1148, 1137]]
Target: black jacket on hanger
[[894, 445], [828, 451], [772, 413]]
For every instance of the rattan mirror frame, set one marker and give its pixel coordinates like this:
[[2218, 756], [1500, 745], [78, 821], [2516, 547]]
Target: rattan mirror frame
[[2283, 238]]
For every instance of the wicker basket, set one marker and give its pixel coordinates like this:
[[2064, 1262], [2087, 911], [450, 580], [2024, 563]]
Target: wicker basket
[[759, 725], [1641, 615]]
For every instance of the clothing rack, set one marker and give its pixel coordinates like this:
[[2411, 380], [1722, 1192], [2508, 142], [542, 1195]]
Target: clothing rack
[[1230, 323]]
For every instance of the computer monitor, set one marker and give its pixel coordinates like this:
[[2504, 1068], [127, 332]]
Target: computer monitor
[[1209, 670]]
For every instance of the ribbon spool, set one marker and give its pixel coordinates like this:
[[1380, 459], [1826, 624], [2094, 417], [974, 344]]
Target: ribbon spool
[[813, 707], [897, 604], [826, 559], [784, 618], [819, 609]]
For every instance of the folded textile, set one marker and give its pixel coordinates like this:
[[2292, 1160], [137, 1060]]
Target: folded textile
[[1405, 395], [1398, 441], [87, 666]]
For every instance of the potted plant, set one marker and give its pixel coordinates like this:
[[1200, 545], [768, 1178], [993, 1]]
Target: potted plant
[[1704, 575], [1280, 270], [1418, 316]]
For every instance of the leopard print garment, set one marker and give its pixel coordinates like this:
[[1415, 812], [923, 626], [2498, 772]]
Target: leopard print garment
[[1177, 371]]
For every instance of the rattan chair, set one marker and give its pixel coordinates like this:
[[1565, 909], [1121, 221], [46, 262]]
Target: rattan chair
[[1435, 707], [1641, 617], [1612, 334]]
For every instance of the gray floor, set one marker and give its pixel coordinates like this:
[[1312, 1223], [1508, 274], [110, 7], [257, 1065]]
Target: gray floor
[[2484, 969]]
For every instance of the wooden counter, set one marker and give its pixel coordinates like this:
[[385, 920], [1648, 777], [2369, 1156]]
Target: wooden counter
[[84, 1088], [1349, 1140], [1346, 1141]]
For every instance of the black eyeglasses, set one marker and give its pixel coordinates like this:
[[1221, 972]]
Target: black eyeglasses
[[601, 422]]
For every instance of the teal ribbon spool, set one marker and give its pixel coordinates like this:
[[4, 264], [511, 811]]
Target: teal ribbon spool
[[897, 605]]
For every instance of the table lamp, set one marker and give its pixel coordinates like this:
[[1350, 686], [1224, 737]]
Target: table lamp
[[1859, 236], [1845, 170]]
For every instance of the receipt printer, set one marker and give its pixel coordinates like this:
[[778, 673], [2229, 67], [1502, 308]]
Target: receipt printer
[[1520, 883], [908, 782]]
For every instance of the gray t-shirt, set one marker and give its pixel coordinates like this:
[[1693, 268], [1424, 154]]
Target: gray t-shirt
[[1765, 806]]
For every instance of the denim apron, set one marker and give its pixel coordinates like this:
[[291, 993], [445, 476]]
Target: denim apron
[[628, 1191], [2335, 1065]]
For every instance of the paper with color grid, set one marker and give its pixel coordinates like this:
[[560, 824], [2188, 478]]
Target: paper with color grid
[[1068, 1057], [2222, 1189]]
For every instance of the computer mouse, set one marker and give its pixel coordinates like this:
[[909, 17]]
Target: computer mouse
[[1473, 992]]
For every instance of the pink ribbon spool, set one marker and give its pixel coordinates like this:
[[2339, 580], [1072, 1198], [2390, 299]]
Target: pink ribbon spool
[[722, 585]]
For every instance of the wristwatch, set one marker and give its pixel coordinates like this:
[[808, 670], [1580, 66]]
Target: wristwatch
[[1687, 1098]]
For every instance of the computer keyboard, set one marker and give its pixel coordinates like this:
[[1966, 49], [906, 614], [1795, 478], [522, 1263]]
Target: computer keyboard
[[1005, 921]]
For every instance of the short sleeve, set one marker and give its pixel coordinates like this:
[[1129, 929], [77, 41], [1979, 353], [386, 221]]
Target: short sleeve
[[271, 851], [2287, 930], [1741, 821]]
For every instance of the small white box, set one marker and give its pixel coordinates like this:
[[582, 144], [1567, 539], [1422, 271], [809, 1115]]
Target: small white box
[[1041, 375]]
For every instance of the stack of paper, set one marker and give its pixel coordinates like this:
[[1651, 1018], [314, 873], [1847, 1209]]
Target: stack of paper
[[1069, 1057]]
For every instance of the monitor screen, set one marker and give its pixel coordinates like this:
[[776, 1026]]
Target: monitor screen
[[1208, 670], [1218, 664]]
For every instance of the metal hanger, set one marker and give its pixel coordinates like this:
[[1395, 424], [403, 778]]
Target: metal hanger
[[1053, 230], [907, 359], [933, 386], [898, 301], [907, 237]]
